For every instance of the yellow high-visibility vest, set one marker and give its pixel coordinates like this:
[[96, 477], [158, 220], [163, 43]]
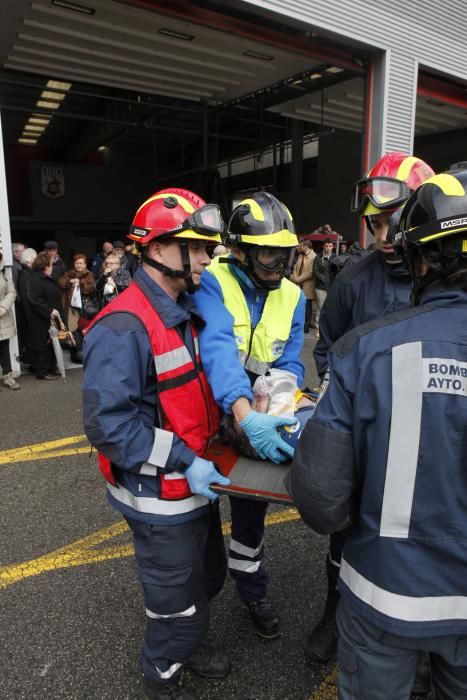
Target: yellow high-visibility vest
[[258, 350]]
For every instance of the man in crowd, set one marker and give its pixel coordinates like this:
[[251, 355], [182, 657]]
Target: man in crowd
[[303, 276], [322, 275], [17, 250], [98, 260], [254, 320], [385, 453], [150, 412], [58, 266], [128, 261]]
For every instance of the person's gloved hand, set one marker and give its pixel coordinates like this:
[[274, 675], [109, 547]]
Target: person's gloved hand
[[201, 474], [261, 430]]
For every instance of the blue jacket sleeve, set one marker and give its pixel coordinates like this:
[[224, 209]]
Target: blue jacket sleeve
[[290, 358], [322, 480], [218, 348], [119, 399]]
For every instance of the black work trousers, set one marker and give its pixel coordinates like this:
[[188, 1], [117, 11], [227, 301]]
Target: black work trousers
[[5, 361], [181, 568]]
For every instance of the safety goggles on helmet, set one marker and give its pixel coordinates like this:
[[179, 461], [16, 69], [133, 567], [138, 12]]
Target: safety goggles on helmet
[[205, 221], [272, 259], [382, 192]]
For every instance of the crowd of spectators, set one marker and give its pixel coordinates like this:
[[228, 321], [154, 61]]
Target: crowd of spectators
[[42, 286]]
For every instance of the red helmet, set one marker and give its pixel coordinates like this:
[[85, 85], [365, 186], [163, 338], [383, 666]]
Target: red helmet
[[177, 213], [389, 183]]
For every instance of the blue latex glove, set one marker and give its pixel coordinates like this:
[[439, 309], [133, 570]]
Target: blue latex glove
[[201, 474], [261, 430]]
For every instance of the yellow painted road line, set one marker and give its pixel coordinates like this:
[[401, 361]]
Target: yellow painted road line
[[44, 450], [46, 455], [83, 551]]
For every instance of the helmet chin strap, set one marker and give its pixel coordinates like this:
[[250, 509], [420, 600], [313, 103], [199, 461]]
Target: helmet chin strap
[[185, 274], [419, 282]]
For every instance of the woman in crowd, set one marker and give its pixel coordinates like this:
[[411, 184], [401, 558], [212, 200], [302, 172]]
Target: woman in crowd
[[80, 276], [113, 280], [44, 300], [26, 260], [7, 323]]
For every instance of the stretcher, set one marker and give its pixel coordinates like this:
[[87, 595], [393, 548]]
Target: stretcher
[[260, 480]]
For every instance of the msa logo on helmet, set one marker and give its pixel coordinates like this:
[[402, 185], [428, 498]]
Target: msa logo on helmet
[[454, 222]]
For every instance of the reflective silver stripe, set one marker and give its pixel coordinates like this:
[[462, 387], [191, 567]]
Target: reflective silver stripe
[[334, 563], [248, 567], [196, 342], [185, 613], [246, 551], [174, 475], [401, 607], [252, 364], [148, 470], [404, 440], [161, 447], [156, 505], [170, 671], [172, 360]]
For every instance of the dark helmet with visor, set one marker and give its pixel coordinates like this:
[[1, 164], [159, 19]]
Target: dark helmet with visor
[[435, 218], [264, 228]]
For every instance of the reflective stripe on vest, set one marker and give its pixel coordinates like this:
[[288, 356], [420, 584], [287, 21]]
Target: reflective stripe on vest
[[187, 405], [273, 330]]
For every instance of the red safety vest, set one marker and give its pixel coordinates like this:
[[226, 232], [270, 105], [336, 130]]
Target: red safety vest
[[185, 401]]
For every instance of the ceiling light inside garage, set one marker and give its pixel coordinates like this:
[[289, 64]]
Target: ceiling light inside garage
[[176, 35], [259, 56], [27, 141], [34, 127], [67, 5], [315, 76], [39, 120], [48, 95], [334, 69], [47, 105], [58, 85]]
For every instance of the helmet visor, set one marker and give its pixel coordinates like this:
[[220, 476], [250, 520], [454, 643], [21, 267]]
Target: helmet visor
[[271, 259], [382, 192]]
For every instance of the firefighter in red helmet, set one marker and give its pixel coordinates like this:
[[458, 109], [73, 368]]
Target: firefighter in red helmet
[[376, 284], [149, 411]]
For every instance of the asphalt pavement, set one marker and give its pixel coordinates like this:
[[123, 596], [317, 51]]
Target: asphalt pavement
[[71, 610]]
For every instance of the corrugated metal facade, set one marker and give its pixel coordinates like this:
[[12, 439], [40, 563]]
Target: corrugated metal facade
[[423, 32]]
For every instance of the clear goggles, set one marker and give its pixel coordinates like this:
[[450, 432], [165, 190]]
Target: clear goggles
[[382, 192], [207, 221], [270, 258]]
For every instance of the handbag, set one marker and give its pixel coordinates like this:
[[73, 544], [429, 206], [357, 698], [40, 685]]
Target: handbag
[[63, 334], [90, 308]]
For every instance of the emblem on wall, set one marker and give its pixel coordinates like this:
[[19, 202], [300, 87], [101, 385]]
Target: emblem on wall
[[52, 181]]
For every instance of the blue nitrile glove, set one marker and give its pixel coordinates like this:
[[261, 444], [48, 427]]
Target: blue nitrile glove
[[201, 474], [261, 430]]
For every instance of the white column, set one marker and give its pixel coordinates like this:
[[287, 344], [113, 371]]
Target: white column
[[5, 241]]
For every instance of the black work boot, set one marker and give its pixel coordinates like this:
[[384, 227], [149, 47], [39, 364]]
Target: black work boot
[[264, 618], [173, 690], [209, 662], [422, 683], [321, 645]]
